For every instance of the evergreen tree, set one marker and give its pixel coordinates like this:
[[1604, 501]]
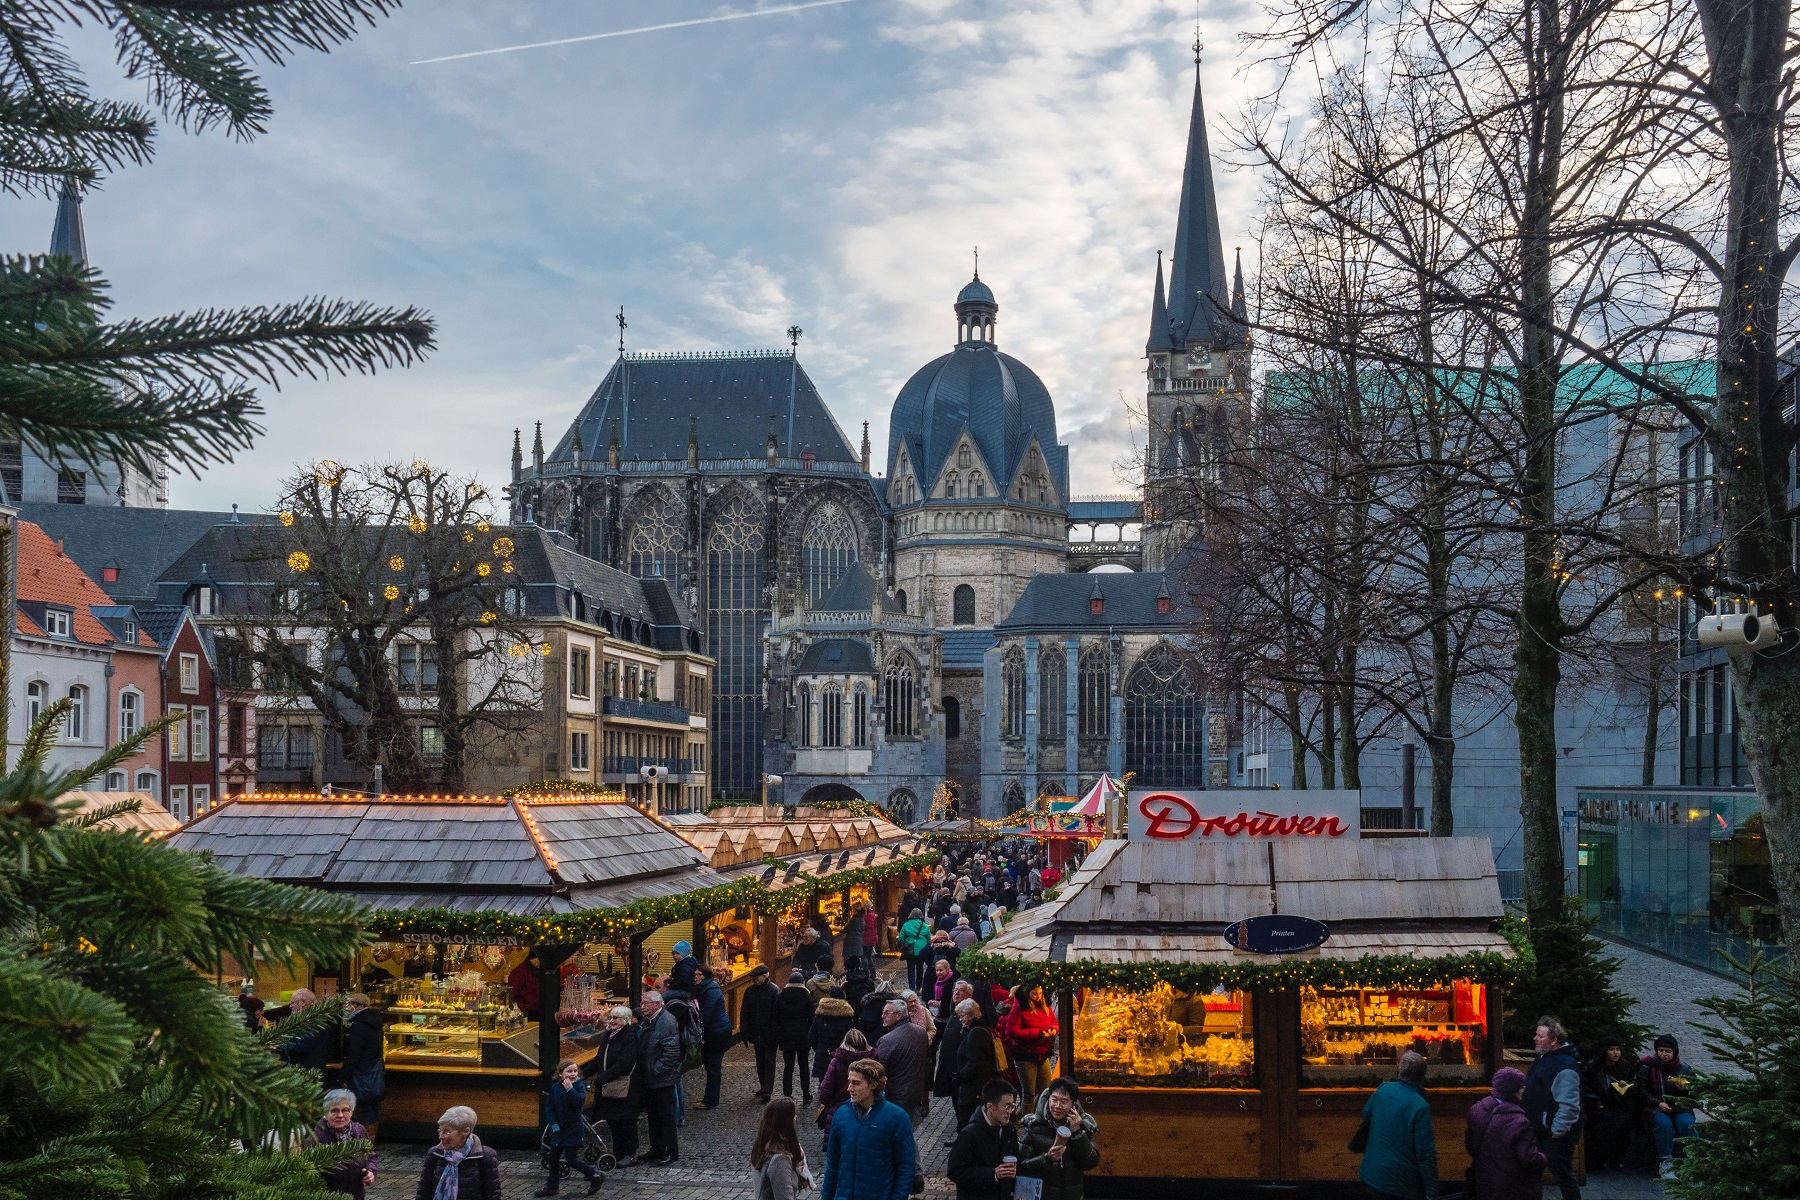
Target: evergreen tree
[[1572, 980]]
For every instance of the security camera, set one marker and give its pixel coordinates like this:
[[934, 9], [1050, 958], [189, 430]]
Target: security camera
[[653, 772], [772, 780], [1738, 632]]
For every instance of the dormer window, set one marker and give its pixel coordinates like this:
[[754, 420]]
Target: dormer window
[[205, 601], [130, 630], [58, 622], [1096, 604], [806, 460], [1164, 604], [109, 574]]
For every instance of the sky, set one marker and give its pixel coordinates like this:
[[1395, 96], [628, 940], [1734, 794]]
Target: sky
[[831, 168]]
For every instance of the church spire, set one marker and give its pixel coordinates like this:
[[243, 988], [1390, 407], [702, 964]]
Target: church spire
[[1159, 314], [1197, 270], [1239, 308], [68, 237]]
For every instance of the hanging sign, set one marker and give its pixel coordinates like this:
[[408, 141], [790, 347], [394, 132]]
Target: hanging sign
[[1276, 933], [1159, 815]]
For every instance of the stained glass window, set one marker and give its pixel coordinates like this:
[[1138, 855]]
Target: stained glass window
[[900, 684], [1165, 722], [1012, 693], [1093, 705], [653, 541], [734, 603], [1051, 698], [827, 550]]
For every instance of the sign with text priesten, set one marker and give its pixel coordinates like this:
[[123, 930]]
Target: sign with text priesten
[[1235, 814]]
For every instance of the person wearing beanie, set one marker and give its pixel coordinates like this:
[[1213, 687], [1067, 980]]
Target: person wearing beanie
[[686, 971], [756, 1026], [1615, 1104], [794, 1009], [1664, 1079], [1506, 1163]]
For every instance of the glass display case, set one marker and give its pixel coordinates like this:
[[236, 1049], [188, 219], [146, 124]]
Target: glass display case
[[787, 931], [1165, 1038], [832, 909], [1355, 1037]]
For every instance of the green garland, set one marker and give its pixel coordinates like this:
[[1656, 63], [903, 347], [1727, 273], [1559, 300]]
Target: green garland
[[563, 787], [1391, 970], [640, 916]]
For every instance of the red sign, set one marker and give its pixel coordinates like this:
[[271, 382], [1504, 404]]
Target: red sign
[[1174, 817]]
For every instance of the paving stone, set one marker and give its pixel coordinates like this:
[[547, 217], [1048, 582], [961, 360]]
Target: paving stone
[[1666, 992]]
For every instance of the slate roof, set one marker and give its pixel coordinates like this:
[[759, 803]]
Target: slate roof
[[140, 542], [519, 855], [856, 592], [964, 648], [1107, 509], [836, 656], [1128, 598], [733, 395], [47, 576], [1197, 268]]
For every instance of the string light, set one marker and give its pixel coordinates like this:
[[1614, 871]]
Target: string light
[[299, 560]]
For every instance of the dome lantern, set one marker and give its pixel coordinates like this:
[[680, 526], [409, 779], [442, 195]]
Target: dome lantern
[[975, 311]]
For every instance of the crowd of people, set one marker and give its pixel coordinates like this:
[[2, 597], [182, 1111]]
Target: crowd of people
[[1531, 1120]]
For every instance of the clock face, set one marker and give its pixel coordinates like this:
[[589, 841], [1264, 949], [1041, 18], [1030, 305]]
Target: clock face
[[1199, 360]]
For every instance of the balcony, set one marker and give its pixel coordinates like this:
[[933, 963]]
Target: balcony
[[644, 710], [624, 769]]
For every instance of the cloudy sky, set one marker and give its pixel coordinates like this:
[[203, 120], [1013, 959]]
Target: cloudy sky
[[829, 168]]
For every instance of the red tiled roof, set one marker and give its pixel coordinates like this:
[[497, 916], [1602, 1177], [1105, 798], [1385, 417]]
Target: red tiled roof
[[48, 575]]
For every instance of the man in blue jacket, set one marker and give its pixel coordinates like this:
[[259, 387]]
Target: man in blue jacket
[[1401, 1158], [869, 1154], [1553, 1102], [715, 1027], [659, 1058]]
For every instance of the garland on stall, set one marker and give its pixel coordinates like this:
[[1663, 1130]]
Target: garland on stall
[[808, 886], [565, 787], [1393, 971]]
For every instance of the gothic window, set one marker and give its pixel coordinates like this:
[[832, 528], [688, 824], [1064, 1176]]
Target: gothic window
[[1012, 693], [803, 723], [900, 685], [734, 575], [952, 717], [831, 716], [1093, 706], [1051, 700], [653, 546], [859, 717], [962, 603], [903, 806], [827, 550], [1014, 797], [950, 486], [1165, 722], [900, 599], [977, 485], [963, 455]]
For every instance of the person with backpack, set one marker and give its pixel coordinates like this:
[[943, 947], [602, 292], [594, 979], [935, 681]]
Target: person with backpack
[[915, 946], [715, 1030], [1506, 1162]]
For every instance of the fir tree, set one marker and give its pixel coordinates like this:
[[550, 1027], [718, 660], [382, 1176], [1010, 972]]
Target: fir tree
[[1572, 980]]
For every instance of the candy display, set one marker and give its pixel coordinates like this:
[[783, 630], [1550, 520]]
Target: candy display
[[1166, 1038], [1354, 1038]]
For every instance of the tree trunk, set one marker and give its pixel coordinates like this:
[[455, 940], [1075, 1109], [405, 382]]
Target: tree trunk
[[1297, 737], [1653, 705], [1327, 741]]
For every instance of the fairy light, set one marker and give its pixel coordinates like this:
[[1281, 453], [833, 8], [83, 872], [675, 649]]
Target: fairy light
[[299, 560], [391, 592], [396, 563]]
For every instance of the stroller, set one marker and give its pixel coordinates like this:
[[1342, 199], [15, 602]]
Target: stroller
[[594, 1150]]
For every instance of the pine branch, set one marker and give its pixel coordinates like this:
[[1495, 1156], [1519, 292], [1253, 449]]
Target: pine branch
[[55, 1029]]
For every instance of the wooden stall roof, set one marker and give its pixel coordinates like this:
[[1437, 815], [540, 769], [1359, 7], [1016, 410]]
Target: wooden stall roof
[[744, 835], [151, 817], [524, 856], [1169, 902]]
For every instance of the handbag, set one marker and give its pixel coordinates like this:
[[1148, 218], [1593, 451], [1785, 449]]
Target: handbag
[[1359, 1141], [1000, 1063], [616, 1089]]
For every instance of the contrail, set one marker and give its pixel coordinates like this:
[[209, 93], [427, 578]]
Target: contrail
[[595, 37]]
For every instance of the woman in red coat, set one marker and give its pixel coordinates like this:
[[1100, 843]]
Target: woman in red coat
[[1029, 1034]]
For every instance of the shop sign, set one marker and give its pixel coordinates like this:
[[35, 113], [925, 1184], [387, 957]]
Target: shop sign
[[460, 939], [1157, 815], [1276, 933]]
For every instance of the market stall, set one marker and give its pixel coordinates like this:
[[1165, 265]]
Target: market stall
[[1243, 1050]]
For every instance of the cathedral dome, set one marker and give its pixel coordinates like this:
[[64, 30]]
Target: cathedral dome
[[1000, 400]]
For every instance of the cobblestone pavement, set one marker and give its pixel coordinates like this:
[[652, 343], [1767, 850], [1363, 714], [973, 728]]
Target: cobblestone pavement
[[1666, 992]]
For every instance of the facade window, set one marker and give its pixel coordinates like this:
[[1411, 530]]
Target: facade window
[[827, 551], [178, 739], [71, 486], [431, 743], [146, 782], [963, 605], [653, 541], [200, 748], [831, 716], [963, 455], [1165, 721], [235, 728], [202, 794], [512, 601], [418, 667], [75, 724], [950, 486], [803, 722], [1014, 797], [1052, 700], [178, 803], [903, 806], [952, 717], [58, 622], [900, 599], [1012, 693], [131, 714], [115, 781], [189, 680], [578, 752], [859, 717], [581, 672], [1092, 702], [37, 699], [977, 485], [206, 601], [899, 684], [12, 471], [734, 575]]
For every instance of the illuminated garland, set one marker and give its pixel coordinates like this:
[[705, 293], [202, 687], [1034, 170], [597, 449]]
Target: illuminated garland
[[1391, 970], [808, 886], [564, 787]]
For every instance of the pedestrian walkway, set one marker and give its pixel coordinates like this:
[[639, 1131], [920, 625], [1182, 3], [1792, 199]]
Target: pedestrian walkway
[[1667, 992]]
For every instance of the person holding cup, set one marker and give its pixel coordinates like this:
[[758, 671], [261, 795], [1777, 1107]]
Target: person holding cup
[[1056, 1143], [984, 1162]]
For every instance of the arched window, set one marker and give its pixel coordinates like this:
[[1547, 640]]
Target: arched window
[[1093, 704], [734, 575], [653, 541], [952, 717], [37, 699], [977, 485], [902, 805], [900, 685], [962, 602], [1051, 698], [859, 717], [831, 716], [827, 550], [75, 726], [900, 599], [1165, 722], [131, 714], [115, 781], [1014, 797], [803, 723], [1012, 693], [963, 455], [146, 782]]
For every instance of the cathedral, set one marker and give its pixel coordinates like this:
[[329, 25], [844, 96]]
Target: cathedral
[[881, 628]]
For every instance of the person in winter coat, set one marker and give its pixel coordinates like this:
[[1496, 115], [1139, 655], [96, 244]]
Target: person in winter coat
[[1614, 1104], [1029, 1034], [618, 1059], [947, 1046], [1046, 1152], [870, 1153], [794, 1008], [1553, 1102], [567, 1128], [853, 938], [941, 993], [1401, 1157], [832, 1019], [776, 1156], [977, 1163], [1506, 1162], [311, 1050], [715, 1027], [1665, 1083], [685, 974], [906, 1053], [476, 1167], [337, 1125], [919, 1014], [364, 1066], [915, 947], [868, 1016], [857, 983], [976, 1062], [756, 1026], [834, 1089], [659, 1057], [806, 953], [871, 937]]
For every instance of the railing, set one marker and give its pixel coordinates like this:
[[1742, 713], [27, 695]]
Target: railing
[[1512, 887], [645, 710], [709, 466], [624, 764], [891, 618], [700, 355], [1195, 383], [1106, 547], [1391, 818]]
